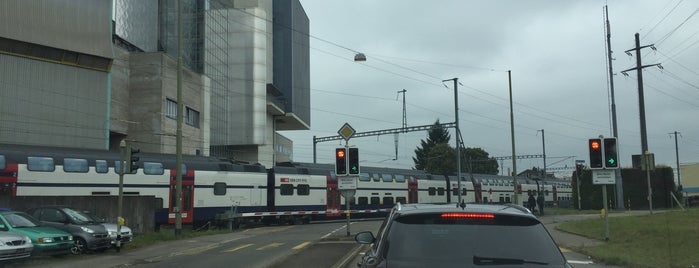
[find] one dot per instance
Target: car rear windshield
(469, 240)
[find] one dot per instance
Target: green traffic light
(611, 161)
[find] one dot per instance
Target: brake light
(468, 216)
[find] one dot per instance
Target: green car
(46, 240)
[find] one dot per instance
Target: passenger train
(211, 186)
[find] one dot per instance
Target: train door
(187, 194)
(555, 195)
(8, 178)
(333, 204)
(477, 192)
(412, 190)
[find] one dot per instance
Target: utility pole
(512, 131)
(677, 156)
(458, 134)
(178, 166)
(405, 123)
(543, 143)
(618, 183)
(642, 109)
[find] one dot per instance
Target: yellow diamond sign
(346, 131)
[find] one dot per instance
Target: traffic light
(132, 162)
(341, 161)
(610, 153)
(596, 157)
(353, 157)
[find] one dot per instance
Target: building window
(192, 117)
(171, 108)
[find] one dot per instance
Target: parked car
(14, 247)
(47, 240)
(126, 234)
(472, 235)
(88, 235)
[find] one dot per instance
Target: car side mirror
(364, 237)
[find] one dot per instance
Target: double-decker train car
(291, 192)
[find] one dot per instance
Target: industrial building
(88, 74)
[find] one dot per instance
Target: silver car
(14, 247)
(126, 234)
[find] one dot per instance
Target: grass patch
(567, 211)
(667, 239)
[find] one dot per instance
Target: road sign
(346, 131)
(346, 183)
(603, 176)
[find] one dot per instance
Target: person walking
(531, 202)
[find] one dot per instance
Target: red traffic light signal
(596, 157)
(340, 161)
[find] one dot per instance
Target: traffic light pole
(347, 203)
(123, 155)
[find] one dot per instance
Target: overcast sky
(554, 49)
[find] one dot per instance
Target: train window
(219, 188)
(440, 191)
(387, 200)
(400, 178)
(303, 189)
(412, 179)
(363, 201)
(40, 164)
(463, 191)
(153, 168)
(117, 167)
(432, 191)
(286, 189)
(2, 162)
(375, 200)
(75, 165)
(364, 177)
(101, 166)
(455, 191)
(546, 192)
(401, 199)
(386, 177)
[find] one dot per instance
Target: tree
(480, 161)
(441, 160)
(435, 135)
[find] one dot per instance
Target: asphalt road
(311, 245)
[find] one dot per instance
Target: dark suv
(88, 235)
(470, 235)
